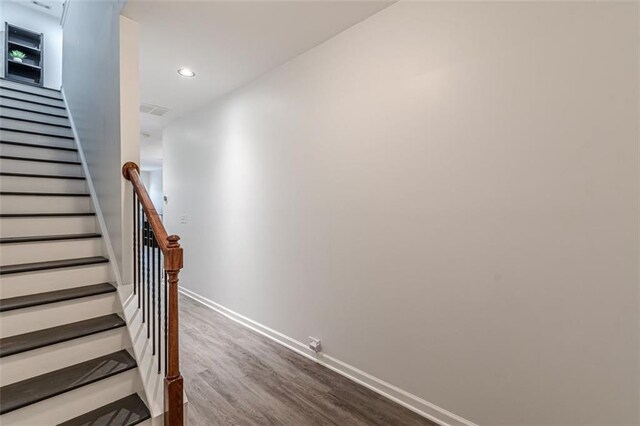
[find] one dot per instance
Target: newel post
(173, 380)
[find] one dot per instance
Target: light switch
(183, 219)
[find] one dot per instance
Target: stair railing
(157, 261)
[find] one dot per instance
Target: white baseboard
(94, 198)
(406, 399)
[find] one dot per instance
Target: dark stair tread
(35, 175)
(12, 91)
(40, 160)
(51, 264)
(36, 145)
(31, 132)
(50, 114)
(26, 92)
(46, 194)
(39, 388)
(18, 215)
(41, 238)
(29, 120)
(50, 336)
(127, 411)
(38, 299)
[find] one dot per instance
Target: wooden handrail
(173, 263)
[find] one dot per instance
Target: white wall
(446, 194)
(16, 14)
(129, 131)
(153, 182)
(101, 87)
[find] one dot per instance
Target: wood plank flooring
(234, 376)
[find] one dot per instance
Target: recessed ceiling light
(186, 72)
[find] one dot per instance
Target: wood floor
(234, 376)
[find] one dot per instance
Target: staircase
(64, 350)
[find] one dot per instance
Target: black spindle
(145, 272)
(148, 277)
(166, 325)
(159, 266)
(153, 289)
(134, 216)
(138, 249)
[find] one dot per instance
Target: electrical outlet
(315, 344)
(183, 219)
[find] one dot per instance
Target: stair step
(27, 392)
(127, 411)
(41, 238)
(8, 93)
(33, 175)
(19, 91)
(35, 108)
(20, 126)
(46, 169)
(36, 138)
(40, 160)
(32, 99)
(38, 299)
(33, 145)
(62, 333)
(51, 264)
(16, 215)
(31, 119)
(28, 250)
(34, 90)
(45, 194)
(21, 113)
(19, 184)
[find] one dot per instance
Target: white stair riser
(26, 227)
(15, 253)
(36, 167)
(7, 84)
(33, 116)
(33, 107)
(31, 98)
(17, 183)
(44, 204)
(32, 363)
(36, 152)
(8, 135)
(25, 126)
(76, 402)
(25, 320)
(14, 285)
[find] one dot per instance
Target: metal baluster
(148, 226)
(135, 217)
(153, 290)
(138, 236)
(144, 276)
(166, 325)
(159, 252)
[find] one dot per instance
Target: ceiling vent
(45, 6)
(153, 109)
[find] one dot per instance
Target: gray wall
(90, 79)
(446, 194)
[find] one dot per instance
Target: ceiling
(228, 43)
(50, 7)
